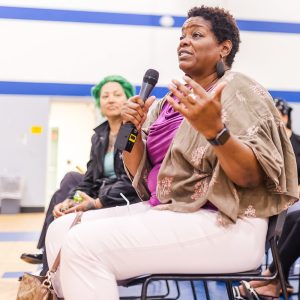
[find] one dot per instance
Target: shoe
(289, 288)
(237, 294)
(253, 295)
(32, 258)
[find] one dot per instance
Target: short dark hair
(223, 26)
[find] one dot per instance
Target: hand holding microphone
(135, 111)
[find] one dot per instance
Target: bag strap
(56, 263)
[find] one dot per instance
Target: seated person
(289, 242)
(203, 158)
(286, 116)
(70, 181)
(105, 177)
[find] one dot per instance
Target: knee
(74, 245)
(71, 178)
(82, 242)
(58, 228)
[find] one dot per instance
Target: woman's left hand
(87, 203)
(201, 109)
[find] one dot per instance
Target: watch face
(224, 137)
(221, 137)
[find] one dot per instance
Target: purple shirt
(159, 139)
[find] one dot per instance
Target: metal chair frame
(165, 296)
(274, 231)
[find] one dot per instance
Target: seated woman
(286, 116)
(212, 155)
(289, 242)
(105, 177)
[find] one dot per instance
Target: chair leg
(277, 262)
(229, 290)
(165, 295)
(206, 290)
(144, 289)
(193, 289)
(177, 289)
(168, 289)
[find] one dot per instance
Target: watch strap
(221, 137)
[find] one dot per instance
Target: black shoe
(32, 258)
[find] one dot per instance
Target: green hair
(126, 85)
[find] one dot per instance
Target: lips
(183, 52)
(111, 107)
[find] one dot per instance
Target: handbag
(34, 287)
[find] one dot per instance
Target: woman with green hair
(105, 179)
(127, 87)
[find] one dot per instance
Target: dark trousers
(70, 181)
(289, 243)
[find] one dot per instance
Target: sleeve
(139, 181)
(251, 116)
(87, 183)
(272, 148)
(110, 196)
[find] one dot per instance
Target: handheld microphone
(128, 133)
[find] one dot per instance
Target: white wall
(39, 51)
(76, 121)
(22, 153)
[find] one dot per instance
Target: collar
(104, 125)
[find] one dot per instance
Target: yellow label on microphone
(132, 138)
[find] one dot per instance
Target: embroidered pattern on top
(197, 154)
(200, 188)
(164, 186)
(250, 211)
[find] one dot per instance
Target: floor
(19, 233)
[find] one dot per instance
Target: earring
(220, 66)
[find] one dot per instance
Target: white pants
(123, 242)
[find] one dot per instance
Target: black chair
(274, 231)
(295, 276)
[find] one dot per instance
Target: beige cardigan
(190, 173)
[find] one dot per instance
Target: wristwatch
(221, 137)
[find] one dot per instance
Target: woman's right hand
(135, 110)
(59, 208)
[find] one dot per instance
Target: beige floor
(10, 251)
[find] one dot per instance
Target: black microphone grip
(128, 133)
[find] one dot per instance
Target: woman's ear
(226, 47)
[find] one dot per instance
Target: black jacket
(95, 184)
(295, 140)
